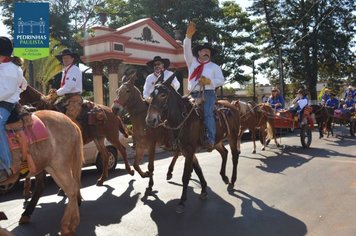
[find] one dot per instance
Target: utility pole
(254, 81)
(281, 84)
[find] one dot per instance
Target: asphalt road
(280, 191)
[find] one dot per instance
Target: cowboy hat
(275, 89)
(6, 47)
(199, 47)
(67, 52)
(165, 61)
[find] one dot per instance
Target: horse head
(165, 104)
(127, 93)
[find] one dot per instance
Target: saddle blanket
(35, 133)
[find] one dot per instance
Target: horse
(323, 117)
(60, 155)
(97, 133)
(254, 116)
(169, 109)
(146, 138)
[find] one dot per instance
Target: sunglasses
(157, 64)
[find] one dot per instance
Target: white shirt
(12, 82)
(211, 70)
(151, 81)
(73, 81)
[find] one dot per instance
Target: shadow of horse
(219, 217)
(103, 211)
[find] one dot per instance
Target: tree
(316, 38)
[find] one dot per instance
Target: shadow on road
(112, 209)
(215, 216)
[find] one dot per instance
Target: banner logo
(31, 30)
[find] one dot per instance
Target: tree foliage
(316, 38)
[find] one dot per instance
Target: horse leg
(27, 188)
(263, 136)
(71, 216)
(171, 166)
(253, 136)
(100, 145)
(223, 153)
(138, 159)
(199, 172)
(123, 152)
(235, 160)
(187, 172)
(30, 207)
(151, 158)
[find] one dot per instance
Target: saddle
(92, 114)
(23, 129)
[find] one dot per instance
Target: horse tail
(270, 129)
(78, 160)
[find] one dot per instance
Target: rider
(332, 102)
(349, 105)
(275, 101)
(325, 96)
(349, 91)
(299, 103)
(71, 84)
(203, 75)
(12, 83)
(159, 66)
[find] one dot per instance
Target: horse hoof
(148, 191)
(24, 220)
(230, 187)
(99, 183)
(263, 149)
(180, 209)
(203, 196)
(226, 180)
(254, 152)
(169, 176)
(131, 172)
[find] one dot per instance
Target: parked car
(91, 157)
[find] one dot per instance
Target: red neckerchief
(65, 75)
(198, 71)
(7, 59)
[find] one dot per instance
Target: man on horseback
(12, 83)
(159, 66)
(204, 77)
(71, 85)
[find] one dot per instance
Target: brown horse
(97, 133)
(61, 155)
(254, 116)
(168, 108)
(146, 138)
(323, 117)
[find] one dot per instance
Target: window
(118, 47)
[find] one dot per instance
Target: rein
(165, 125)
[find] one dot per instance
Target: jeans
(209, 119)
(5, 155)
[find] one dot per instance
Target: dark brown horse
(253, 116)
(170, 109)
(97, 133)
(146, 138)
(323, 117)
(61, 155)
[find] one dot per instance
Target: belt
(7, 105)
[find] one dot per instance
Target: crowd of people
(346, 104)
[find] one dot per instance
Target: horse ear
(170, 79)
